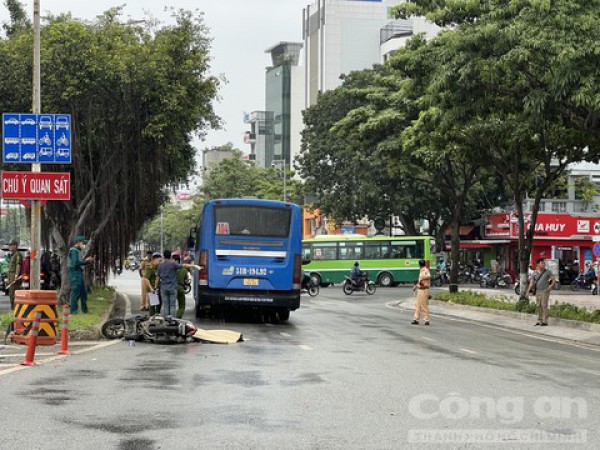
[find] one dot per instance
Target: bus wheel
(385, 279)
(283, 314)
(315, 279)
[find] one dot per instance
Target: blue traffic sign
(36, 138)
(596, 250)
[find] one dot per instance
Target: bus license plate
(250, 281)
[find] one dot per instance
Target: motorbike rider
(590, 273)
(356, 274)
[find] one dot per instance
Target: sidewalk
(580, 332)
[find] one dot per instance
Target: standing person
(166, 274)
(144, 303)
(75, 265)
(544, 282)
(422, 302)
(150, 281)
(14, 271)
(182, 275)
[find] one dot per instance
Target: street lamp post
(283, 167)
(36, 212)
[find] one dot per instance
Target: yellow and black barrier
(27, 304)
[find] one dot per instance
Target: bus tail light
(203, 272)
(297, 283)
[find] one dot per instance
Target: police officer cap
(13, 242)
(156, 255)
(81, 239)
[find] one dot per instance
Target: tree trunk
(524, 252)
(455, 250)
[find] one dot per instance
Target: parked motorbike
(581, 282)
(157, 329)
(518, 287)
(308, 286)
(364, 285)
(134, 266)
(442, 277)
(500, 281)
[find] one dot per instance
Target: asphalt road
(343, 373)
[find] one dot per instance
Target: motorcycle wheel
(517, 289)
(575, 286)
(313, 291)
(595, 290)
(187, 288)
(482, 283)
(347, 288)
(438, 281)
(370, 288)
(113, 329)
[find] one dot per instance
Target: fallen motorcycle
(157, 329)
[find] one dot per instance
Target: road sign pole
(36, 211)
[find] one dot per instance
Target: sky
(241, 30)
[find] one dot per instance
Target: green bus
(388, 260)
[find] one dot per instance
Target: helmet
(356, 263)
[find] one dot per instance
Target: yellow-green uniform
(150, 275)
(16, 260)
(181, 277)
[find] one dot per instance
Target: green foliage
(177, 225)
(475, 299)
(236, 178)
(136, 94)
(585, 189)
(561, 311)
(99, 302)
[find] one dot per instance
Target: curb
(407, 305)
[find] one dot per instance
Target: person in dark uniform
(75, 266)
(15, 267)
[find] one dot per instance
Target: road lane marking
(127, 304)
(305, 347)
(466, 350)
(429, 339)
(286, 334)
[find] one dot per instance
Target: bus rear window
(252, 221)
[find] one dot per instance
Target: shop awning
(487, 243)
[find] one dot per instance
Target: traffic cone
(35, 329)
(64, 337)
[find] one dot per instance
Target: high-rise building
(341, 36)
(285, 100)
(260, 137)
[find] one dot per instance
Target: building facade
(284, 82)
(260, 137)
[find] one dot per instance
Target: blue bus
(250, 257)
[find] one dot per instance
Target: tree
(509, 60)
(235, 178)
(18, 18)
(136, 95)
(351, 171)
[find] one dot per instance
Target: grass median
(560, 311)
(99, 302)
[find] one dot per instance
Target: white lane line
(286, 334)
(466, 350)
(305, 347)
(127, 304)
(429, 339)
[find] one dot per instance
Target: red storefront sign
(36, 185)
(559, 226)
